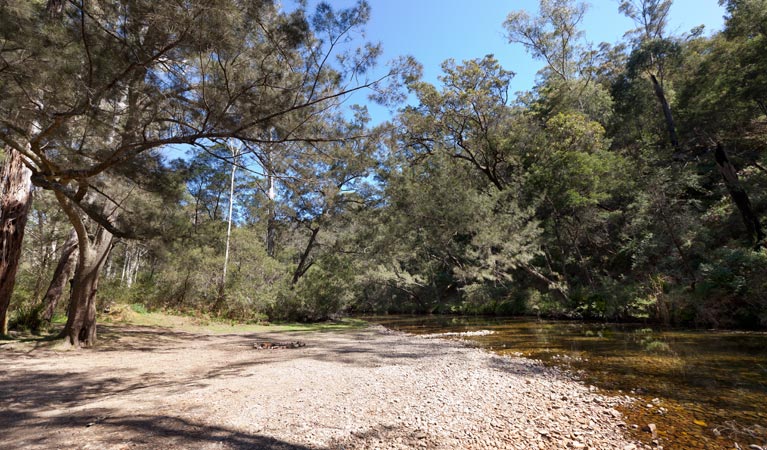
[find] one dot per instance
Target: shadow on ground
(67, 399)
(142, 432)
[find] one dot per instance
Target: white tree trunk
(235, 154)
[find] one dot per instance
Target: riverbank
(149, 387)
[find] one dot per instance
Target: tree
(93, 251)
(470, 121)
(131, 77)
(61, 276)
(16, 191)
(567, 80)
(467, 119)
(722, 104)
(236, 153)
(653, 51)
(322, 185)
(552, 36)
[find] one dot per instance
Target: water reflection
(709, 387)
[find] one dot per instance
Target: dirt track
(370, 388)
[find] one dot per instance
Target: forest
(207, 157)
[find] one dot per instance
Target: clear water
(702, 389)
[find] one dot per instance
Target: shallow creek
(702, 389)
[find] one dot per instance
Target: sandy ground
(154, 388)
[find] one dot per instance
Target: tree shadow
(106, 428)
(144, 338)
(40, 403)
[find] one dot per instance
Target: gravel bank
(363, 389)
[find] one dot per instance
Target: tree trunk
(16, 199)
(659, 92)
(271, 221)
(546, 283)
(235, 154)
(303, 266)
(93, 254)
(61, 275)
(81, 321)
(739, 197)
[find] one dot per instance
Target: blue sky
(435, 30)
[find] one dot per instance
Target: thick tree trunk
(739, 197)
(81, 321)
(61, 276)
(16, 189)
(670, 126)
(93, 254)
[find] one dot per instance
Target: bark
(81, 321)
(16, 190)
(669, 118)
(739, 197)
(271, 222)
(235, 155)
(229, 221)
(80, 328)
(62, 274)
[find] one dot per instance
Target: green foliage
(26, 317)
(649, 342)
(567, 201)
(138, 308)
(324, 291)
(733, 289)
(657, 347)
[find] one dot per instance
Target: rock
(652, 429)
(268, 345)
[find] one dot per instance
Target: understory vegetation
(216, 169)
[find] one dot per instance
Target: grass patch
(138, 308)
(127, 315)
(657, 347)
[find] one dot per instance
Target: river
(702, 389)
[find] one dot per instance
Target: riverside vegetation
(627, 184)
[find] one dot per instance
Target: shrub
(733, 289)
(26, 317)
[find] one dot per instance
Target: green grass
(129, 316)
